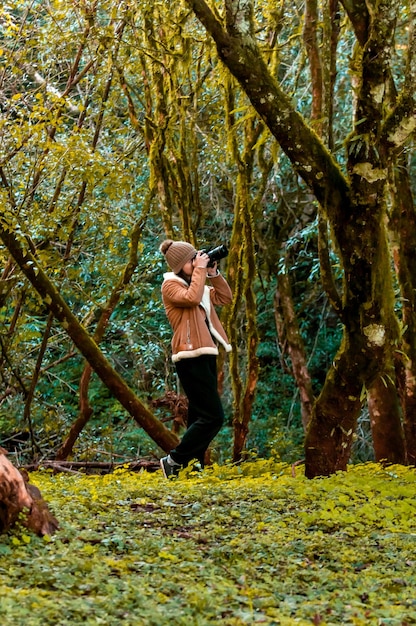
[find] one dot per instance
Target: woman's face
(201, 259)
(188, 268)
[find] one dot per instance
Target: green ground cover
(231, 546)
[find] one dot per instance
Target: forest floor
(234, 545)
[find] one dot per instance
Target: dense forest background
(125, 123)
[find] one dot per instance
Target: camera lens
(216, 254)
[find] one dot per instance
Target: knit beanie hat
(177, 253)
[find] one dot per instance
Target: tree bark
(17, 497)
(310, 40)
(329, 438)
(385, 416)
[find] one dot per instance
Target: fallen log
(92, 466)
(20, 500)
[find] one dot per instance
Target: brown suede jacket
(191, 313)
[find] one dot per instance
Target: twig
(294, 465)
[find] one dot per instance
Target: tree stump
(18, 496)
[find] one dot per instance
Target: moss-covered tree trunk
(354, 206)
(169, 125)
(246, 393)
(370, 328)
(242, 271)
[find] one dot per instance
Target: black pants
(198, 377)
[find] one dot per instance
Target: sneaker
(169, 471)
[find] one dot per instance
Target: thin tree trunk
(85, 413)
(35, 377)
(86, 410)
(403, 228)
(4, 357)
(295, 346)
(246, 393)
(241, 275)
(310, 40)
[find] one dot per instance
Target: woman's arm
(220, 292)
(176, 293)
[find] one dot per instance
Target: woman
(189, 305)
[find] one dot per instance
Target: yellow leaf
(166, 555)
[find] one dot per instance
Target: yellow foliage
(232, 545)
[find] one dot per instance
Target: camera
(216, 254)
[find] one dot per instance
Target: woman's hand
(213, 270)
(201, 259)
